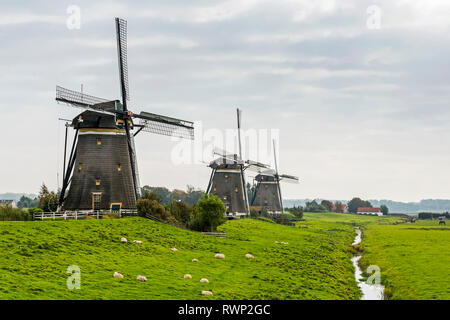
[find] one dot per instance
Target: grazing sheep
(187, 276)
(220, 256)
(118, 275)
(249, 256)
(141, 278)
(207, 293)
(276, 242)
(174, 249)
(137, 241)
(284, 242)
(194, 260)
(203, 280)
(123, 240)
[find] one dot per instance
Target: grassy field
(414, 258)
(34, 257)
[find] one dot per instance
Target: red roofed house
(369, 211)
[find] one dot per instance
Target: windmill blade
(289, 178)
(82, 101)
(255, 166)
(77, 98)
(155, 123)
(225, 154)
(122, 52)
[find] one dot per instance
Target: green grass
(414, 258)
(34, 257)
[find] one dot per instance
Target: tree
(48, 201)
(26, 202)
(356, 203)
(384, 209)
(208, 214)
(339, 207)
(147, 194)
(313, 206)
(327, 204)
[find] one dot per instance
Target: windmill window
(225, 198)
(99, 141)
(226, 176)
(214, 189)
(236, 189)
(97, 182)
(119, 167)
(80, 166)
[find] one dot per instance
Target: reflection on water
(369, 291)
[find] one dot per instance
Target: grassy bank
(34, 257)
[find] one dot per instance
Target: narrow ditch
(369, 291)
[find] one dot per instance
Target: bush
(254, 213)
(181, 211)
(155, 209)
(208, 214)
(14, 214)
(35, 210)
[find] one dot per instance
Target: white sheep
(204, 280)
(123, 240)
(194, 260)
(174, 249)
(137, 241)
(118, 275)
(220, 256)
(249, 256)
(276, 242)
(141, 278)
(207, 293)
(187, 276)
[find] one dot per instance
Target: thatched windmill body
(227, 179)
(102, 170)
(268, 190)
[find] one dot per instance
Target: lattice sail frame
(167, 128)
(71, 96)
(121, 29)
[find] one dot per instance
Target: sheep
(204, 280)
(137, 241)
(194, 260)
(118, 275)
(207, 293)
(187, 276)
(141, 278)
(174, 249)
(284, 242)
(220, 256)
(276, 242)
(123, 240)
(249, 256)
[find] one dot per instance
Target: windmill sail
(163, 125)
(122, 52)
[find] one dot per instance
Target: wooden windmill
(102, 170)
(268, 190)
(228, 178)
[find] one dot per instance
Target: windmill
(268, 190)
(102, 170)
(227, 179)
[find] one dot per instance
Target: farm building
(11, 203)
(369, 211)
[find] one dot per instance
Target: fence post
(53, 216)
(42, 216)
(97, 215)
(76, 215)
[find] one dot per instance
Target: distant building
(369, 211)
(11, 203)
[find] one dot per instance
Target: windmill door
(96, 200)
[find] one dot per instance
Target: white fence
(76, 215)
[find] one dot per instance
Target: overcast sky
(362, 103)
